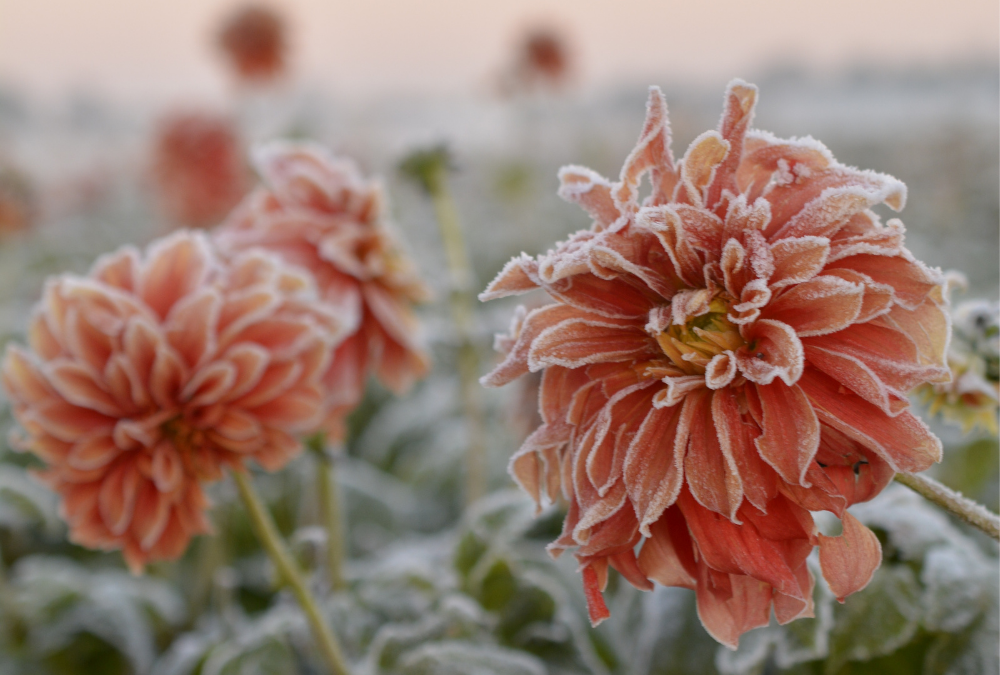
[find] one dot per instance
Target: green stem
(288, 571)
(329, 504)
(462, 304)
(953, 502)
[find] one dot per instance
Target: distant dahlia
(148, 376)
(316, 211)
(198, 168)
(254, 40)
(721, 359)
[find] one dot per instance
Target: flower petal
(850, 560)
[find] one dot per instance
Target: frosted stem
(954, 502)
(289, 573)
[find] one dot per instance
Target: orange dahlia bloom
(254, 40)
(316, 211)
(198, 168)
(149, 375)
(722, 358)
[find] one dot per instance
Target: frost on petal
(698, 167)
(817, 307)
(731, 604)
(578, 342)
(515, 362)
(591, 191)
(651, 153)
(850, 560)
(654, 465)
(709, 467)
(737, 115)
(791, 431)
(903, 441)
(773, 351)
(798, 259)
(519, 275)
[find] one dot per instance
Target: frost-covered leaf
(60, 600)
(25, 502)
(461, 658)
(878, 621)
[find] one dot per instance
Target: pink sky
(161, 49)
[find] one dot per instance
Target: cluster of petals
(721, 359)
(148, 376)
(317, 212)
(198, 168)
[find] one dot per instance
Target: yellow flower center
(691, 346)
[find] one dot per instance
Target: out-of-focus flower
(198, 168)
(317, 211)
(542, 62)
(18, 207)
(254, 40)
(147, 377)
(724, 357)
(972, 398)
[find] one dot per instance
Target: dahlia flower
(148, 376)
(198, 168)
(317, 212)
(254, 40)
(722, 358)
(972, 398)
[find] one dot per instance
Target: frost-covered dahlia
(148, 376)
(317, 211)
(722, 358)
(198, 168)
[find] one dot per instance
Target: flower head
(254, 40)
(148, 376)
(722, 358)
(316, 211)
(972, 398)
(198, 168)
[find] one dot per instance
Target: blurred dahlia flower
(146, 377)
(722, 358)
(253, 39)
(972, 398)
(316, 211)
(198, 168)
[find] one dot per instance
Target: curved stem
(329, 504)
(270, 539)
(462, 309)
(954, 502)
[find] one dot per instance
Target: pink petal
(191, 325)
(736, 118)
(774, 351)
(666, 556)
(736, 437)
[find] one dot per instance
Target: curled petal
(850, 560)
(820, 306)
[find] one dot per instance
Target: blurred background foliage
(435, 588)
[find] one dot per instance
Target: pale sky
(156, 50)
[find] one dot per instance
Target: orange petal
(653, 468)
(590, 190)
(664, 560)
(710, 471)
(850, 560)
(798, 260)
(791, 431)
(592, 587)
(904, 441)
(819, 306)
(579, 342)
